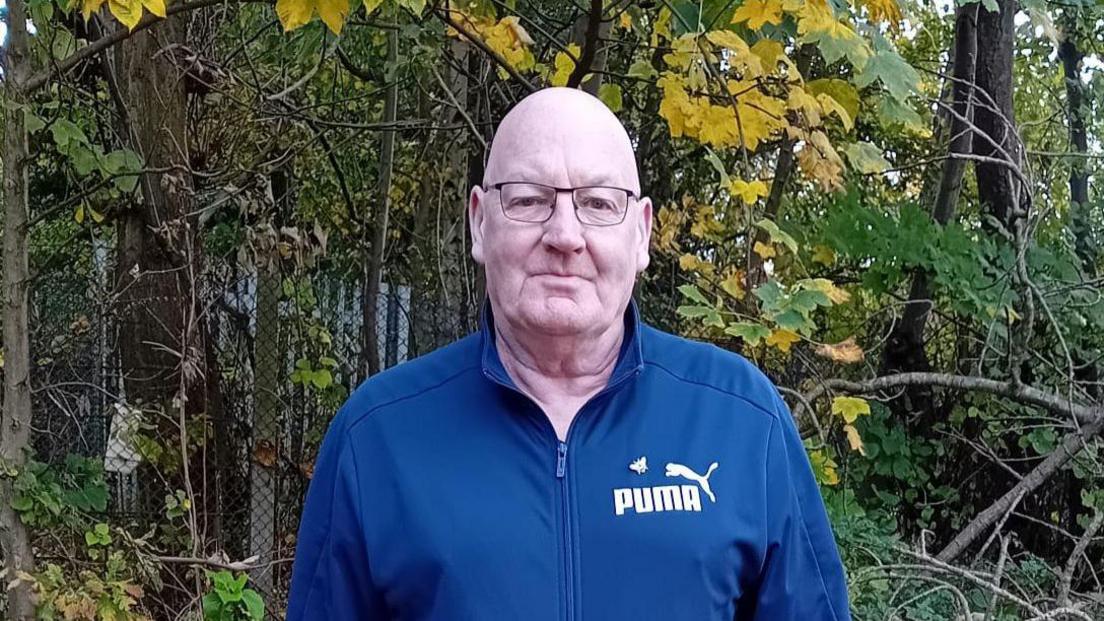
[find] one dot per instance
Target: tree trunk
(373, 267)
(164, 345)
(999, 190)
(15, 420)
(1079, 176)
(267, 442)
(905, 350)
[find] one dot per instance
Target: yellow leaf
(830, 106)
(565, 65)
(157, 7)
(513, 23)
(824, 255)
(884, 11)
(88, 7)
(828, 288)
(847, 351)
(850, 408)
(783, 339)
(759, 12)
(748, 192)
(1, 359)
(293, 13)
(333, 13)
(128, 12)
(805, 103)
(820, 162)
(769, 52)
(854, 439)
(733, 284)
(79, 214)
(662, 27)
(626, 21)
(823, 467)
(97, 217)
(765, 251)
(741, 57)
(371, 5)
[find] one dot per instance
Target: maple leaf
(626, 21)
(333, 13)
(884, 11)
(827, 287)
(854, 439)
(294, 13)
(748, 192)
(733, 284)
(824, 255)
(759, 12)
(850, 408)
(157, 7)
(840, 90)
(766, 251)
(783, 339)
(896, 75)
(829, 105)
(866, 158)
(847, 352)
(372, 5)
(819, 161)
(89, 7)
(769, 52)
(823, 467)
(565, 65)
(128, 12)
(805, 103)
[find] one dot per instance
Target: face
(560, 277)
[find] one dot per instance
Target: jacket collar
(629, 361)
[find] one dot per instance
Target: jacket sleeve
(331, 578)
(802, 577)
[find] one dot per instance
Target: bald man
(567, 461)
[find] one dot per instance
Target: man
(566, 461)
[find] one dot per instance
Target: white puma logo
(679, 470)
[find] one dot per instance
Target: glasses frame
(629, 194)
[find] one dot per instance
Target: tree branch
(38, 80)
(590, 45)
(1081, 413)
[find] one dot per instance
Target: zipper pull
(561, 460)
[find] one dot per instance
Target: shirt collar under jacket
(630, 360)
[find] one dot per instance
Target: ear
(475, 221)
(643, 233)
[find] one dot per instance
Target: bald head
(565, 137)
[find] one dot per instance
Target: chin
(558, 316)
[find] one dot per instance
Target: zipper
(567, 531)
(565, 518)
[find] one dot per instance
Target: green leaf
(414, 6)
(896, 75)
(752, 333)
(22, 503)
(718, 165)
(771, 294)
(837, 89)
(866, 158)
(777, 235)
(692, 292)
(642, 69)
(31, 122)
(610, 94)
(322, 379)
(253, 604)
(693, 312)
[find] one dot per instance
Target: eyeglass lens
(530, 202)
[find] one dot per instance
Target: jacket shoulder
(410, 379)
(704, 364)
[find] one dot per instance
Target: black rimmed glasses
(595, 205)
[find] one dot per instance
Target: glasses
(595, 205)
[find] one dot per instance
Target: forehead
(556, 149)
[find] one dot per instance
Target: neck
(550, 367)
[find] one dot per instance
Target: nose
(563, 231)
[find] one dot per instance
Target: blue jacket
(682, 491)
